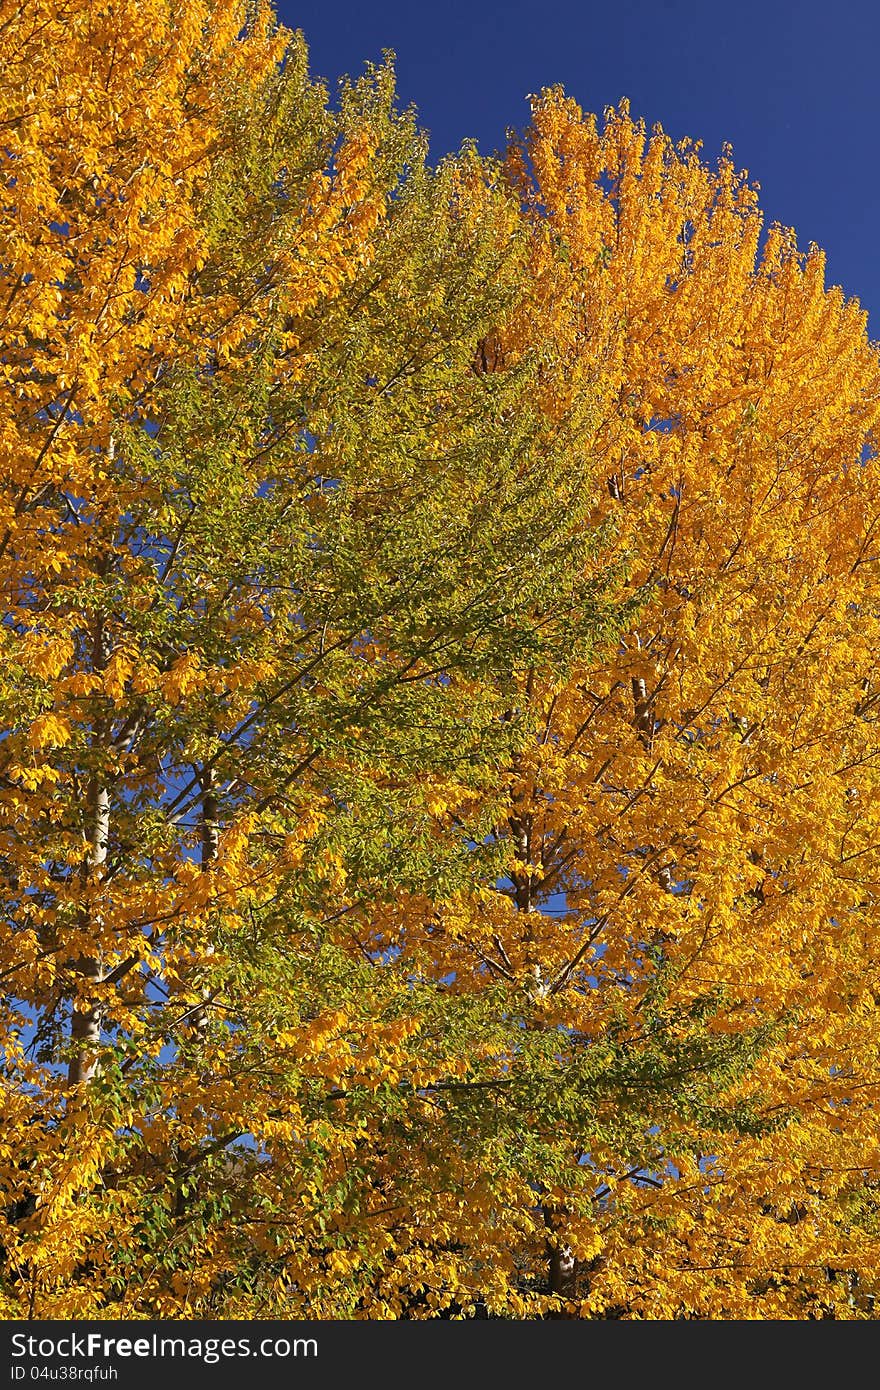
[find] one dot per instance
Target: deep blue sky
(794, 86)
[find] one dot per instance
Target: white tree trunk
(210, 838)
(86, 1024)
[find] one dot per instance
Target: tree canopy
(438, 805)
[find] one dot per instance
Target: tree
(701, 798)
(275, 556)
(437, 818)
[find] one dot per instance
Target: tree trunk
(210, 836)
(561, 1266)
(85, 1030)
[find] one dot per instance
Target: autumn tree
(696, 818)
(277, 544)
(437, 817)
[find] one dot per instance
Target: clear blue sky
(795, 87)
